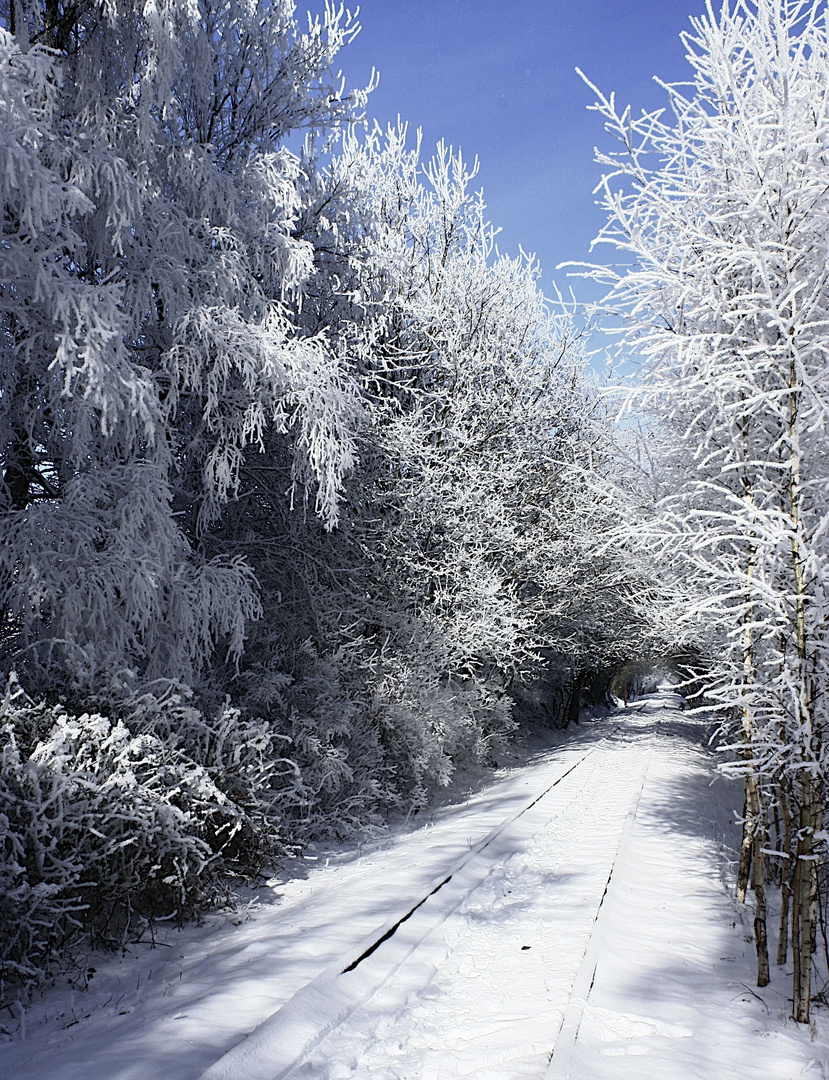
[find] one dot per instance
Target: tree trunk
(798, 1011)
(775, 868)
(786, 875)
(804, 898)
(750, 799)
(746, 847)
(17, 477)
(574, 700)
(758, 886)
(802, 914)
(804, 908)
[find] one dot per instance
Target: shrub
(108, 823)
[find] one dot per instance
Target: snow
(595, 921)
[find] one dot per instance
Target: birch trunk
(758, 885)
(802, 921)
(786, 875)
(754, 825)
(803, 914)
(746, 848)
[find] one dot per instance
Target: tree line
(721, 200)
(295, 466)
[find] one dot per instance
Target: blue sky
(497, 79)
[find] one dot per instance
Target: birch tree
(722, 203)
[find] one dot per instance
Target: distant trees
(725, 207)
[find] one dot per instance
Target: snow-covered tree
(148, 277)
(297, 471)
(147, 262)
(463, 542)
(723, 206)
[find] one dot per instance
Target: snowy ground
(578, 907)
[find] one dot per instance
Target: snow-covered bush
(370, 734)
(108, 823)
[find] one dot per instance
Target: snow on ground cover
(487, 980)
(673, 972)
(173, 1008)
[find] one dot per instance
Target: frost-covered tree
(723, 205)
(295, 404)
(149, 270)
(462, 545)
(148, 258)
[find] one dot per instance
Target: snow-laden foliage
(148, 343)
(114, 580)
(724, 206)
(298, 472)
(108, 823)
(148, 254)
(462, 543)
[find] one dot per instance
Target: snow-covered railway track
(290, 1043)
(560, 1066)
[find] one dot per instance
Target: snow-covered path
(574, 908)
